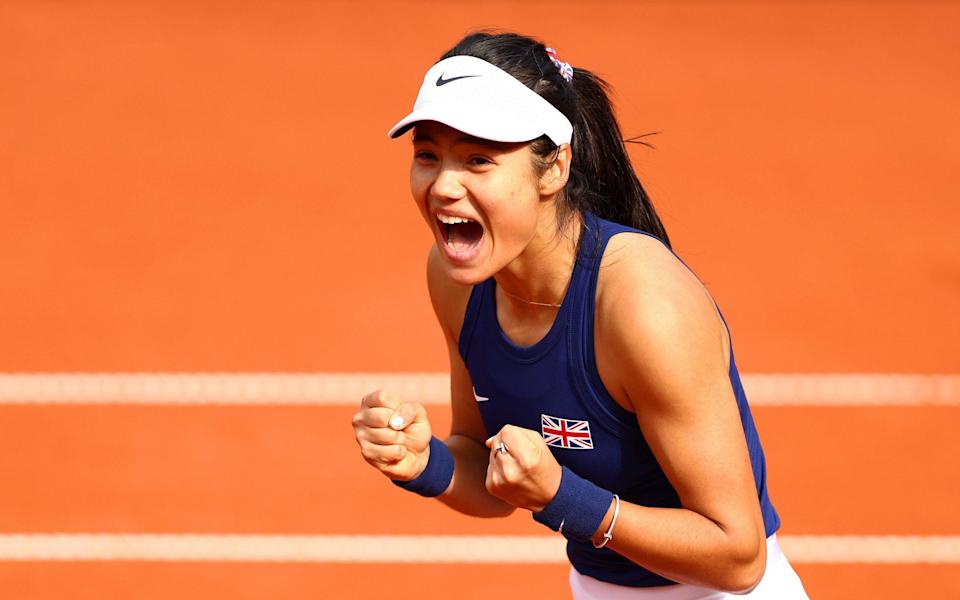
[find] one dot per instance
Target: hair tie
(566, 71)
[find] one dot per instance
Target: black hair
(602, 179)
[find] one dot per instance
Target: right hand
(394, 436)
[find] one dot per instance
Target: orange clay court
(207, 188)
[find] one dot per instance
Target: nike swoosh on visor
(442, 81)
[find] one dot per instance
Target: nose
(448, 185)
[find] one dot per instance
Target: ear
(555, 177)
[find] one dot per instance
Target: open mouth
(460, 234)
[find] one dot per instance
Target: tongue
(464, 236)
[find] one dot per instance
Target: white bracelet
(609, 533)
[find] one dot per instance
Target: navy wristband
(578, 508)
(436, 477)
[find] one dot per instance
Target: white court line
(335, 389)
(425, 549)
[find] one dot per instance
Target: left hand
(526, 475)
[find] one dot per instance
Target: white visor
(479, 99)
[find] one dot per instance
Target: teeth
(448, 220)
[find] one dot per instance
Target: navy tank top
(554, 387)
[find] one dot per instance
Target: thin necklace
(531, 301)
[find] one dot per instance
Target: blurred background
(205, 192)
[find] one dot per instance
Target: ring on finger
(502, 448)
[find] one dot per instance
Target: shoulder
(654, 317)
(449, 298)
(643, 281)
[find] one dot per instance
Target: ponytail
(602, 179)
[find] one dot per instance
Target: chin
(467, 274)
(467, 277)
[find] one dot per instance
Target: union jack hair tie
(566, 71)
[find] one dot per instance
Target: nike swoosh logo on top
(479, 398)
(442, 81)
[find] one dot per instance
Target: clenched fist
(525, 473)
(393, 436)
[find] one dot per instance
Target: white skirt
(779, 582)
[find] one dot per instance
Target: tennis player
(593, 376)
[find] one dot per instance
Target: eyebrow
(421, 137)
(469, 139)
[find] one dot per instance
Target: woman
(593, 380)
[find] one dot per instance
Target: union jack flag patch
(566, 433)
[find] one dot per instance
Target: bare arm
(467, 492)
(395, 435)
(662, 349)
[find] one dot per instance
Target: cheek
(419, 184)
(417, 181)
(515, 221)
(524, 205)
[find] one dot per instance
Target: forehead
(438, 133)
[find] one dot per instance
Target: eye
(479, 161)
(424, 156)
